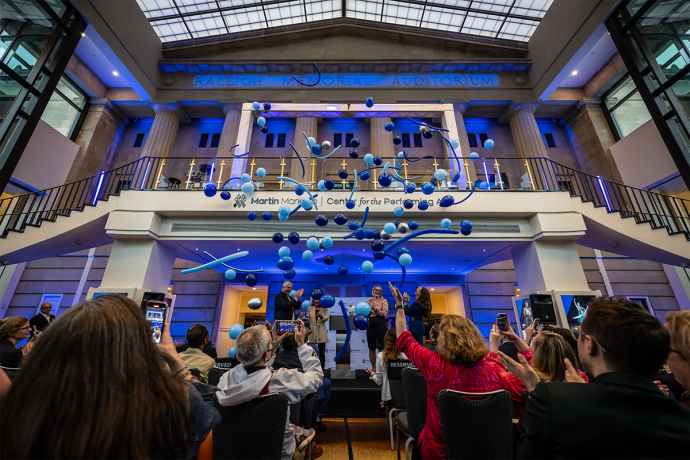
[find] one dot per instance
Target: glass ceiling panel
(184, 19)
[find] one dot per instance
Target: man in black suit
(621, 413)
(44, 318)
(285, 306)
(504, 178)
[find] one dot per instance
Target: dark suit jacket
(41, 322)
(504, 179)
(10, 356)
(509, 349)
(616, 415)
(285, 306)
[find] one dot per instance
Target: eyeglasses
(576, 332)
(27, 328)
(676, 351)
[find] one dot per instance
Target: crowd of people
(96, 385)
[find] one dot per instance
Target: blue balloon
(389, 228)
(413, 225)
(225, 195)
(321, 185)
(409, 204)
(246, 178)
(267, 106)
(235, 331)
(327, 301)
(230, 274)
(428, 134)
(377, 245)
(428, 188)
(284, 251)
(365, 175)
(307, 255)
(251, 215)
(369, 233)
(247, 188)
(264, 129)
(354, 143)
(277, 238)
(283, 209)
(261, 172)
(329, 260)
(397, 140)
(289, 274)
(299, 191)
(354, 154)
(293, 237)
(362, 308)
(379, 255)
(488, 143)
(311, 141)
(329, 184)
(316, 294)
(266, 215)
(405, 260)
(385, 180)
(399, 211)
(389, 126)
(378, 161)
(369, 159)
(361, 322)
(369, 102)
(313, 243)
(327, 242)
(285, 263)
(455, 143)
(292, 294)
(360, 234)
(423, 205)
(306, 203)
(316, 149)
(306, 304)
(251, 280)
(256, 105)
(321, 220)
(231, 352)
(465, 227)
(454, 176)
(350, 204)
(440, 174)
(446, 201)
(402, 250)
(210, 189)
(342, 270)
(261, 121)
(367, 266)
(340, 219)
(410, 188)
(446, 223)
(353, 225)
(342, 174)
(474, 156)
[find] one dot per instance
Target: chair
(214, 375)
(414, 386)
(295, 420)
(479, 426)
(251, 430)
(397, 401)
(174, 183)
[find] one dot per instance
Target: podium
(342, 367)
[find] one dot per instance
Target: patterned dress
(440, 374)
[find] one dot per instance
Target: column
(244, 138)
(548, 265)
(308, 126)
(526, 135)
(161, 138)
(231, 127)
(454, 122)
(140, 262)
(99, 140)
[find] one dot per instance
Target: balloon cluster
(261, 121)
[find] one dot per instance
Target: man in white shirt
(194, 357)
(43, 319)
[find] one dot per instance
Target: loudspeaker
(542, 308)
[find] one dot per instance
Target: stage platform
(354, 398)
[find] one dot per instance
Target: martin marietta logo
(240, 200)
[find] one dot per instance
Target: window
(337, 139)
(406, 140)
(628, 110)
(473, 139)
(65, 107)
(549, 140)
(204, 140)
(483, 138)
(417, 140)
(348, 139)
(281, 140)
(139, 140)
(215, 140)
(269, 140)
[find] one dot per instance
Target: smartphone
(536, 324)
(502, 322)
(287, 326)
(157, 317)
(306, 322)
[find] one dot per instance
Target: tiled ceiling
(186, 19)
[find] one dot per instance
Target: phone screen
(536, 324)
(287, 326)
(156, 317)
(502, 322)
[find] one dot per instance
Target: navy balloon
(316, 294)
(409, 204)
(353, 225)
(369, 102)
(328, 260)
(354, 154)
(264, 129)
(266, 215)
(428, 135)
(361, 322)
(389, 126)
(340, 219)
(359, 234)
(299, 191)
(251, 215)
(293, 237)
(401, 250)
(369, 233)
(329, 183)
(377, 234)
(251, 280)
(285, 263)
(277, 238)
(365, 175)
(385, 180)
(316, 149)
(354, 142)
(378, 161)
(397, 223)
(428, 188)
(413, 225)
(321, 220)
(327, 300)
(379, 255)
(350, 204)
(410, 188)
(397, 140)
(465, 227)
(446, 201)
(210, 189)
(342, 270)
(267, 106)
(342, 174)
(377, 245)
(289, 274)
(225, 195)
(423, 205)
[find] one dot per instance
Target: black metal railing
(495, 174)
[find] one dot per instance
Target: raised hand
(494, 338)
(406, 297)
(276, 336)
(509, 334)
(571, 374)
(301, 334)
(396, 294)
(521, 370)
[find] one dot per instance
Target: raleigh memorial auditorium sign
(329, 80)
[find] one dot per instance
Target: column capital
(103, 104)
(460, 106)
(173, 107)
(227, 107)
(589, 101)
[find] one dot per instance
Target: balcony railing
(495, 175)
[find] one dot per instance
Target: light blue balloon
(362, 308)
(261, 172)
(283, 217)
(446, 223)
(389, 228)
(369, 159)
(474, 156)
(307, 255)
(246, 178)
(312, 141)
(284, 251)
(284, 209)
(312, 243)
(230, 274)
(247, 188)
(405, 260)
(401, 154)
(440, 174)
(367, 267)
(488, 143)
(235, 331)
(256, 105)
(261, 121)
(398, 211)
(292, 294)
(327, 242)
(306, 203)
(231, 352)
(455, 143)
(322, 186)
(306, 304)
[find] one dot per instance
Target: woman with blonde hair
(12, 331)
(462, 362)
(678, 324)
(390, 353)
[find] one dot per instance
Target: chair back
(394, 370)
(478, 427)
(251, 430)
(414, 386)
(214, 375)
